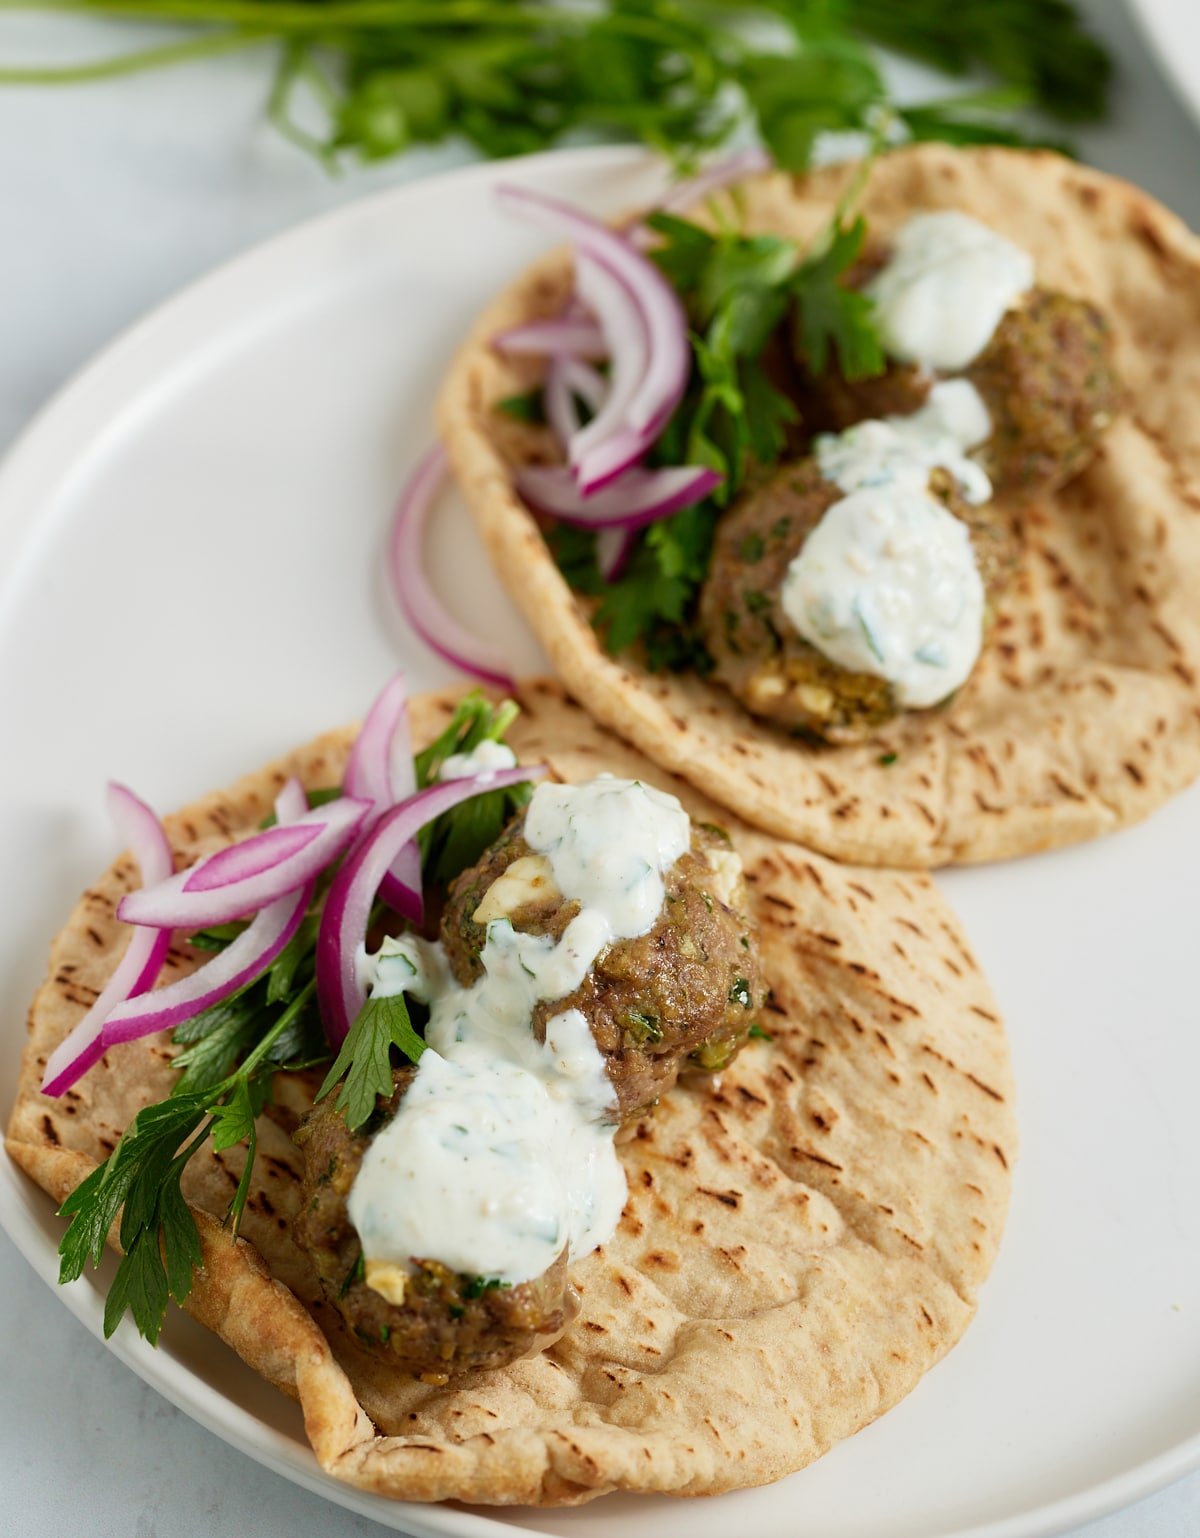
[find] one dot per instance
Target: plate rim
(93, 400)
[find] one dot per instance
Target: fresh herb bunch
(231, 1053)
(510, 76)
(739, 291)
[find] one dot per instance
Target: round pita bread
(804, 1238)
(1084, 712)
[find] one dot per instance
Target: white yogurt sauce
(945, 288)
(486, 758)
(903, 450)
(887, 584)
(502, 1150)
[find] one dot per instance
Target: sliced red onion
(564, 381)
(185, 901)
(250, 858)
(663, 347)
(715, 178)
(613, 549)
(291, 803)
(559, 403)
(347, 908)
(567, 378)
(243, 959)
(380, 768)
(369, 766)
(638, 498)
(566, 336)
(139, 967)
(587, 382)
(420, 606)
(610, 298)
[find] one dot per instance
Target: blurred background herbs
(368, 79)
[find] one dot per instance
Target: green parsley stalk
(682, 76)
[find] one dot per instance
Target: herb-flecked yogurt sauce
(486, 758)
(887, 583)
(501, 1152)
(946, 286)
(903, 450)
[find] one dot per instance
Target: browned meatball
(1046, 377)
(447, 1324)
(682, 995)
(758, 654)
(1048, 382)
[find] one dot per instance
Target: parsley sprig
(231, 1053)
(141, 1178)
(510, 76)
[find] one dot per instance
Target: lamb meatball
(1046, 378)
(445, 1324)
(758, 654)
(1048, 383)
(683, 995)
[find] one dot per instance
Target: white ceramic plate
(1172, 28)
(190, 543)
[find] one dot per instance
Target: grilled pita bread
(804, 1237)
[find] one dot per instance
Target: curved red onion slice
(242, 960)
(566, 336)
(423, 610)
(609, 297)
(251, 857)
(139, 967)
(715, 178)
(645, 409)
(291, 803)
(348, 905)
(567, 378)
(177, 903)
(559, 403)
(369, 766)
(639, 497)
(380, 768)
(613, 549)
(585, 381)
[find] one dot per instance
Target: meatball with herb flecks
(683, 995)
(427, 1320)
(758, 653)
(1045, 375)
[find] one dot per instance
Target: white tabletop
(115, 196)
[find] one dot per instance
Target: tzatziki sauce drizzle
(903, 450)
(501, 1152)
(887, 584)
(946, 286)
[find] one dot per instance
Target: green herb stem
(132, 63)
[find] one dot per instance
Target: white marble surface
(114, 196)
